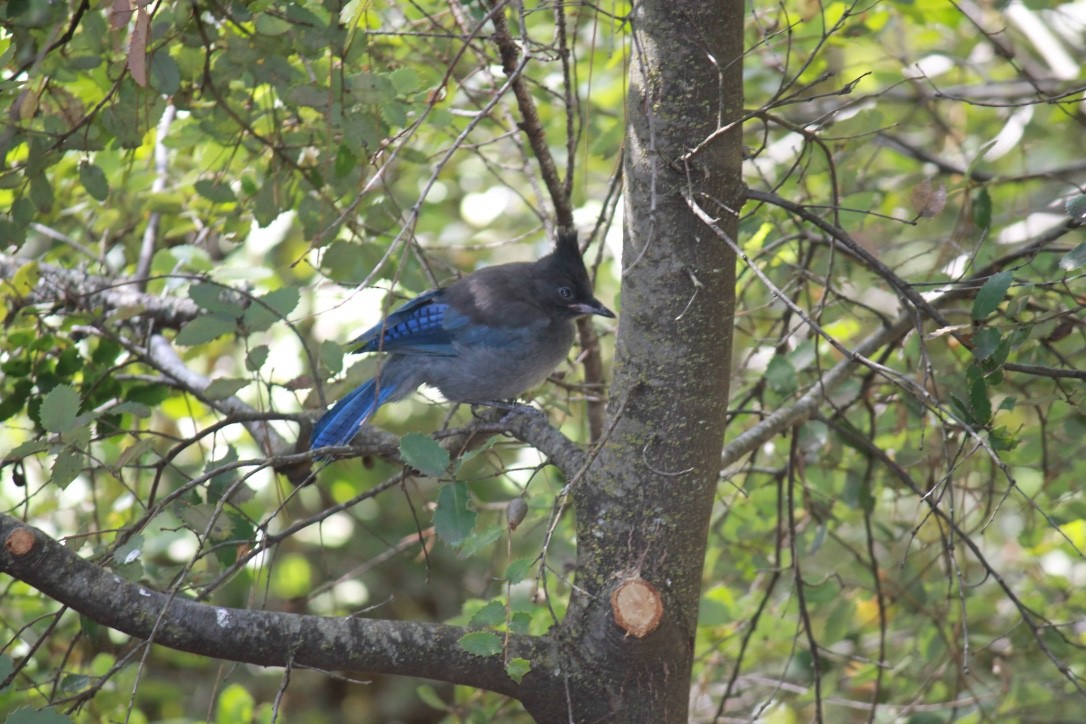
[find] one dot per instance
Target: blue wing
(425, 325)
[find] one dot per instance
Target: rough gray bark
(644, 508)
(643, 500)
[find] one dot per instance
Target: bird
(484, 339)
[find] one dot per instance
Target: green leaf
(481, 643)
(780, 375)
(256, 357)
(130, 552)
(270, 308)
(519, 569)
(225, 387)
(268, 24)
(489, 616)
(985, 342)
(24, 280)
(346, 161)
(204, 329)
(41, 193)
(822, 592)
(518, 668)
(69, 362)
(480, 539)
(979, 403)
(59, 408)
(991, 294)
(282, 301)
(216, 299)
(454, 518)
(165, 73)
(12, 402)
(331, 356)
(982, 209)
(26, 715)
(520, 623)
(6, 667)
(1076, 207)
(134, 452)
(1074, 258)
(94, 180)
(430, 697)
(424, 454)
(215, 192)
(202, 517)
(404, 80)
(67, 465)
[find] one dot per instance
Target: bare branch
(264, 638)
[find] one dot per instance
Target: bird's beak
(592, 307)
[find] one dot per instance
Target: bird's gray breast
(502, 370)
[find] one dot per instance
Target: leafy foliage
(198, 199)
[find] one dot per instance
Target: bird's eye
(565, 292)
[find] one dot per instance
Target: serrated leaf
(985, 342)
(165, 73)
(222, 388)
(982, 209)
(94, 180)
(214, 191)
(1074, 258)
(215, 299)
(979, 403)
(481, 643)
(480, 539)
(518, 570)
(268, 24)
(404, 80)
(67, 465)
(6, 667)
(1002, 439)
(59, 408)
(489, 616)
(135, 452)
(307, 95)
(26, 449)
(283, 301)
(197, 518)
(520, 623)
(517, 668)
(204, 329)
(780, 375)
(270, 308)
(1076, 207)
(346, 161)
(27, 715)
(256, 357)
(454, 518)
(331, 356)
(130, 551)
(430, 698)
(424, 454)
(961, 409)
(41, 193)
(130, 408)
(24, 280)
(991, 294)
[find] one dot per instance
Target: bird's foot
(510, 407)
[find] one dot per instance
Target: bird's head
(562, 285)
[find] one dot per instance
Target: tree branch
(263, 638)
(84, 292)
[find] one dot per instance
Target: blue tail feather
(339, 425)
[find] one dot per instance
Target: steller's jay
(485, 338)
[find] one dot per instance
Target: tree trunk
(643, 509)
